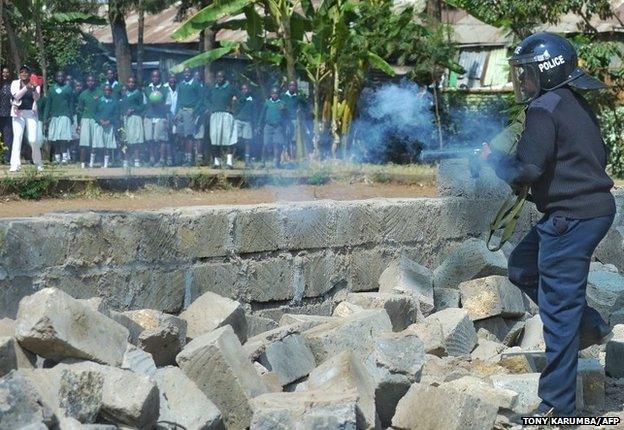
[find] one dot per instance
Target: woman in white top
(24, 115)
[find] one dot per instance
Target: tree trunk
(289, 53)
(434, 9)
(140, 52)
(13, 49)
(120, 40)
(334, 113)
(43, 62)
(208, 38)
(1, 31)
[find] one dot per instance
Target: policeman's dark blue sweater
(562, 156)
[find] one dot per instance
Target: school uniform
(156, 113)
(294, 103)
(222, 130)
(24, 118)
(172, 103)
(59, 111)
(133, 123)
(40, 139)
(87, 101)
(104, 136)
(273, 114)
(115, 88)
(189, 99)
(244, 117)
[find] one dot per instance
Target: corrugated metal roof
(497, 70)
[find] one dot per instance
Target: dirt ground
(157, 198)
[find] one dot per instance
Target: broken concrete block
(405, 276)
(211, 311)
(459, 332)
(80, 394)
(355, 333)
(402, 309)
(344, 309)
(20, 403)
(533, 335)
(492, 296)
(138, 361)
(257, 324)
(127, 398)
(431, 335)
(605, 292)
(499, 397)
(453, 410)
(217, 364)
(160, 334)
(592, 376)
(445, 298)
(525, 385)
(305, 410)
(13, 357)
(614, 360)
(343, 373)
(54, 325)
(182, 403)
(270, 379)
(470, 260)
(487, 350)
(290, 358)
(401, 353)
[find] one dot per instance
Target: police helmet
(544, 62)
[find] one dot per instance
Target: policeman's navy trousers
(551, 265)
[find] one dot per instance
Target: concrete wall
(274, 258)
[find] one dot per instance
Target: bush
(30, 186)
(612, 122)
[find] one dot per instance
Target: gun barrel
(430, 155)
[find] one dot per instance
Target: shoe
(15, 169)
(125, 164)
(137, 163)
(541, 412)
(39, 168)
(83, 165)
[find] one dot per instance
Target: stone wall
(273, 258)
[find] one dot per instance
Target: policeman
(561, 156)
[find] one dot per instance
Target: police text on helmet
(553, 62)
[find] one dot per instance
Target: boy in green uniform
(222, 130)
(87, 100)
(77, 89)
(272, 119)
(106, 115)
(59, 110)
(155, 121)
(295, 104)
(245, 120)
(189, 104)
(113, 83)
(132, 108)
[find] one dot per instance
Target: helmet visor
(526, 82)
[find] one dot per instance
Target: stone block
(289, 357)
(257, 229)
(13, 357)
(270, 279)
(182, 403)
(453, 410)
(224, 278)
(309, 410)
(499, 397)
(344, 373)
(257, 325)
(445, 298)
(491, 296)
(605, 292)
(431, 335)
(217, 364)
(7, 327)
(459, 332)
(611, 248)
(211, 311)
(80, 394)
(355, 333)
(306, 321)
(402, 309)
(356, 223)
(525, 385)
(614, 360)
(495, 326)
(487, 350)
(21, 404)
(344, 309)
(470, 260)
(616, 318)
(54, 325)
(592, 376)
(202, 232)
(405, 276)
(321, 272)
(533, 336)
(365, 268)
(307, 226)
(138, 361)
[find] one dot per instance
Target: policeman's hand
(484, 152)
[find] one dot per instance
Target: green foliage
(319, 177)
(29, 186)
(612, 122)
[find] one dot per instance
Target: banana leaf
(379, 63)
(205, 57)
(78, 18)
(207, 16)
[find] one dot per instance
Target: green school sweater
(190, 94)
(115, 86)
(293, 103)
(87, 100)
(160, 109)
(60, 102)
(273, 112)
(132, 100)
(220, 97)
(41, 108)
(107, 108)
(245, 108)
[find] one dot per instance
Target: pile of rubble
(455, 348)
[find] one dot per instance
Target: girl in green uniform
(87, 101)
(132, 109)
(272, 118)
(106, 115)
(187, 118)
(222, 131)
(245, 120)
(59, 110)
